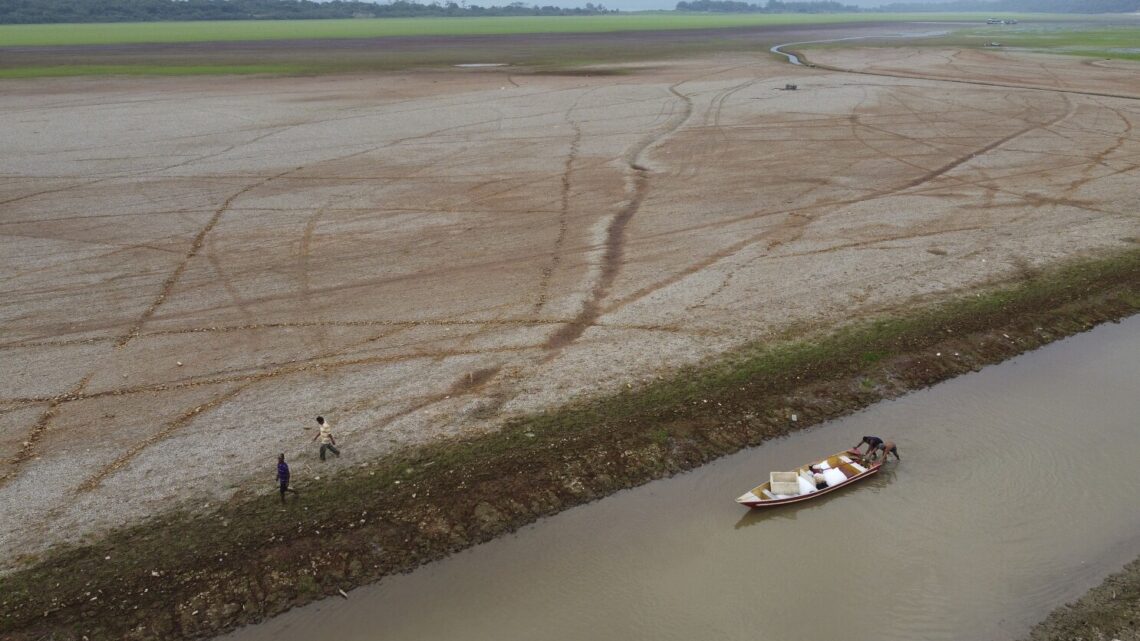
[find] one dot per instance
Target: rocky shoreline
(183, 576)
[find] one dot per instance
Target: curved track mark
(563, 220)
(615, 232)
(170, 428)
(28, 447)
(195, 247)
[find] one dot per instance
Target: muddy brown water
(1016, 493)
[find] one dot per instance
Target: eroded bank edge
(1109, 611)
(183, 575)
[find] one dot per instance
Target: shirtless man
(888, 448)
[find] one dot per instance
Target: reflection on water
(1015, 494)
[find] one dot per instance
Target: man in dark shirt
(283, 477)
(876, 444)
(873, 443)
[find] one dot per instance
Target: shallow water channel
(1016, 493)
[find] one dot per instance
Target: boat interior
(835, 470)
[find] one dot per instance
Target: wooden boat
(840, 470)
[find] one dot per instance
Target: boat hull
(756, 498)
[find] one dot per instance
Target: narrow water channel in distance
(1015, 494)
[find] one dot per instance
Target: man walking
(283, 478)
(326, 438)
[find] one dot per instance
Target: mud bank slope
(1109, 611)
(195, 575)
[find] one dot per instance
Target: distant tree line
(56, 11)
(773, 6)
(1022, 6)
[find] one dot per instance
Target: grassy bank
(1117, 41)
(190, 575)
(60, 71)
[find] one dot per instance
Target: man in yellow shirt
(326, 437)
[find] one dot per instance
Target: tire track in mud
(220, 329)
(167, 287)
(564, 206)
(312, 364)
(195, 247)
(798, 219)
(54, 190)
(28, 447)
(167, 431)
(719, 141)
(1070, 108)
(1101, 157)
(480, 328)
(472, 382)
(614, 243)
(199, 240)
(275, 129)
(563, 220)
(243, 382)
(462, 386)
(188, 416)
(983, 83)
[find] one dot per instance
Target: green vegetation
(1121, 41)
(236, 31)
(1049, 6)
(773, 6)
(57, 11)
(40, 57)
(152, 70)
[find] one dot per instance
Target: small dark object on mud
(790, 87)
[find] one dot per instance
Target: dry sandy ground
(192, 269)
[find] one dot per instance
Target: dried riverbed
(184, 576)
(443, 252)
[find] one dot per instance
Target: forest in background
(57, 11)
(73, 11)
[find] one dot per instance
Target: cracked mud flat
(193, 269)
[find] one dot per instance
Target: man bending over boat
(876, 444)
(888, 448)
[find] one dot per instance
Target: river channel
(1017, 491)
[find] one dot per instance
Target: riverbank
(194, 575)
(1109, 611)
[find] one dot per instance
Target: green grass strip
(150, 70)
(1113, 41)
(246, 30)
